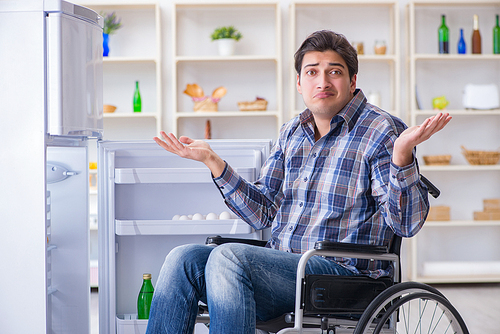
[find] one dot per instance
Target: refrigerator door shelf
(129, 324)
(182, 227)
(172, 175)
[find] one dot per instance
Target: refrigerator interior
(143, 189)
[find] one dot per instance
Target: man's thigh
(273, 274)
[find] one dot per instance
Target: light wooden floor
(479, 305)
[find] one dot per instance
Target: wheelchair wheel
(411, 308)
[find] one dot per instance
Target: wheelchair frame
(383, 313)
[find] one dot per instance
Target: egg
(176, 217)
(212, 216)
(225, 215)
(197, 216)
(184, 217)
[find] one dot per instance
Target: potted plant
(226, 38)
(111, 25)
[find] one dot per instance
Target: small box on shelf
(439, 213)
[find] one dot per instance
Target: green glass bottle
(137, 98)
(145, 297)
(443, 36)
(496, 39)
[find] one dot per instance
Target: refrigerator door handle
(57, 172)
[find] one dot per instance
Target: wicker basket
(257, 105)
(205, 105)
(481, 157)
(437, 159)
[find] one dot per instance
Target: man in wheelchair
(343, 170)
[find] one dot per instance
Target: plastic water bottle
(145, 297)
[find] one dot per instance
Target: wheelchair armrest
(218, 240)
(350, 247)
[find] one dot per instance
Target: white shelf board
(459, 112)
(462, 223)
(182, 227)
(205, 114)
(128, 60)
(385, 58)
(459, 168)
(466, 57)
(455, 2)
(131, 115)
(179, 59)
(343, 2)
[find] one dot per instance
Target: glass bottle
(145, 297)
(462, 48)
(137, 98)
(476, 36)
(496, 38)
(443, 36)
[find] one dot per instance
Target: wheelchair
(360, 305)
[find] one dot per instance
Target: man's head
(325, 40)
(327, 67)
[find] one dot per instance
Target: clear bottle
(145, 297)
(461, 48)
(496, 38)
(443, 38)
(476, 36)
(137, 98)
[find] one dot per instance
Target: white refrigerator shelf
(172, 175)
(182, 227)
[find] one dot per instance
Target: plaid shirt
(343, 187)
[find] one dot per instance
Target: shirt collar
(352, 110)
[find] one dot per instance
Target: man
(343, 170)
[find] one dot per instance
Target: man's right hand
(188, 148)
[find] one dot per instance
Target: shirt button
(314, 155)
(300, 204)
(305, 179)
(290, 228)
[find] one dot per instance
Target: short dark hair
(325, 40)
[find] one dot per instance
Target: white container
(226, 46)
(481, 97)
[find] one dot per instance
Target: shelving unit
(135, 55)
(374, 20)
(463, 249)
(254, 70)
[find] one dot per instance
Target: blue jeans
(241, 284)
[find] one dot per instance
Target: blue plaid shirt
(343, 187)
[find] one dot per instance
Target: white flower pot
(226, 46)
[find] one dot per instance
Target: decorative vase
(226, 46)
(105, 46)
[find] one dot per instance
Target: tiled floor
(479, 305)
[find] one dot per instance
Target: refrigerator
(51, 101)
(151, 201)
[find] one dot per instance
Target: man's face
(324, 83)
